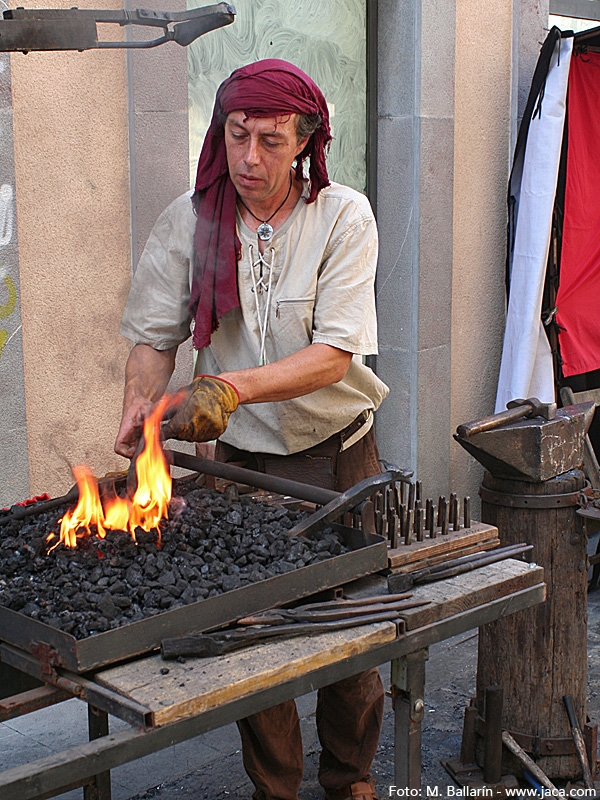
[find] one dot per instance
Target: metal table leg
(408, 689)
(99, 788)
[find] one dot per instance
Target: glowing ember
(150, 502)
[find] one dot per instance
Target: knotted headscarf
(264, 89)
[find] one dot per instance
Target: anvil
(533, 449)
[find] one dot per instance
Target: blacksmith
(274, 269)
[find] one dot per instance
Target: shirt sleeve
(156, 312)
(344, 312)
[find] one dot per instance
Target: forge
(219, 556)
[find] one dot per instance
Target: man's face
(260, 153)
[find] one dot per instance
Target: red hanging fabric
(578, 298)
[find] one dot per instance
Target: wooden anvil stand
(529, 661)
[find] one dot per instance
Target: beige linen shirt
(314, 283)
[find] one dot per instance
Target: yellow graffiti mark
(7, 309)
(3, 336)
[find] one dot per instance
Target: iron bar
(433, 524)
(32, 700)
(467, 511)
(492, 757)
(80, 687)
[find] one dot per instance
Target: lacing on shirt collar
(261, 286)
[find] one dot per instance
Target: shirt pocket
(293, 324)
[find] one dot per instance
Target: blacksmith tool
(336, 502)
(515, 410)
(512, 745)
(24, 29)
(452, 510)
(411, 495)
(408, 525)
(206, 645)
(579, 741)
(285, 623)
(467, 511)
(432, 527)
(419, 523)
(403, 581)
(444, 515)
(455, 511)
(529, 449)
(333, 610)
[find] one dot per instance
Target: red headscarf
(263, 89)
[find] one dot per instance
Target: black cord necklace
(264, 230)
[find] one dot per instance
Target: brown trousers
(349, 712)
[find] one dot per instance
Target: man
(276, 273)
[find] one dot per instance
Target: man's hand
(132, 426)
(203, 410)
(147, 374)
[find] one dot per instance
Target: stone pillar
(453, 78)
(415, 214)
(158, 144)
(72, 204)
(485, 67)
(14, 466)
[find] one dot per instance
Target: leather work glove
(203, 412)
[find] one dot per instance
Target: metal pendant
(264, 231)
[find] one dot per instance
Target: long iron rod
(271, 483)
(517, 750)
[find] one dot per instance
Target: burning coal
(218, 543)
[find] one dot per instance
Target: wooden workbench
(202, 694)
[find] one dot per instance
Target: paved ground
(210, 768)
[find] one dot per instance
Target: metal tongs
(278, 623)
(402, 581)
(25, 29)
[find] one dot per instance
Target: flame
(116, 514)
(151, 499)
(88, 510)
(149, 504)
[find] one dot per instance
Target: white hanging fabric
(526, 368)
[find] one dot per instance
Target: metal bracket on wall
(22, 29)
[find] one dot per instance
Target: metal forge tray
(368, 554)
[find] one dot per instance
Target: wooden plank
(409, 553)
(464, 551)
(471, 589)
(201, 684)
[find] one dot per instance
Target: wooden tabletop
(201, 684)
